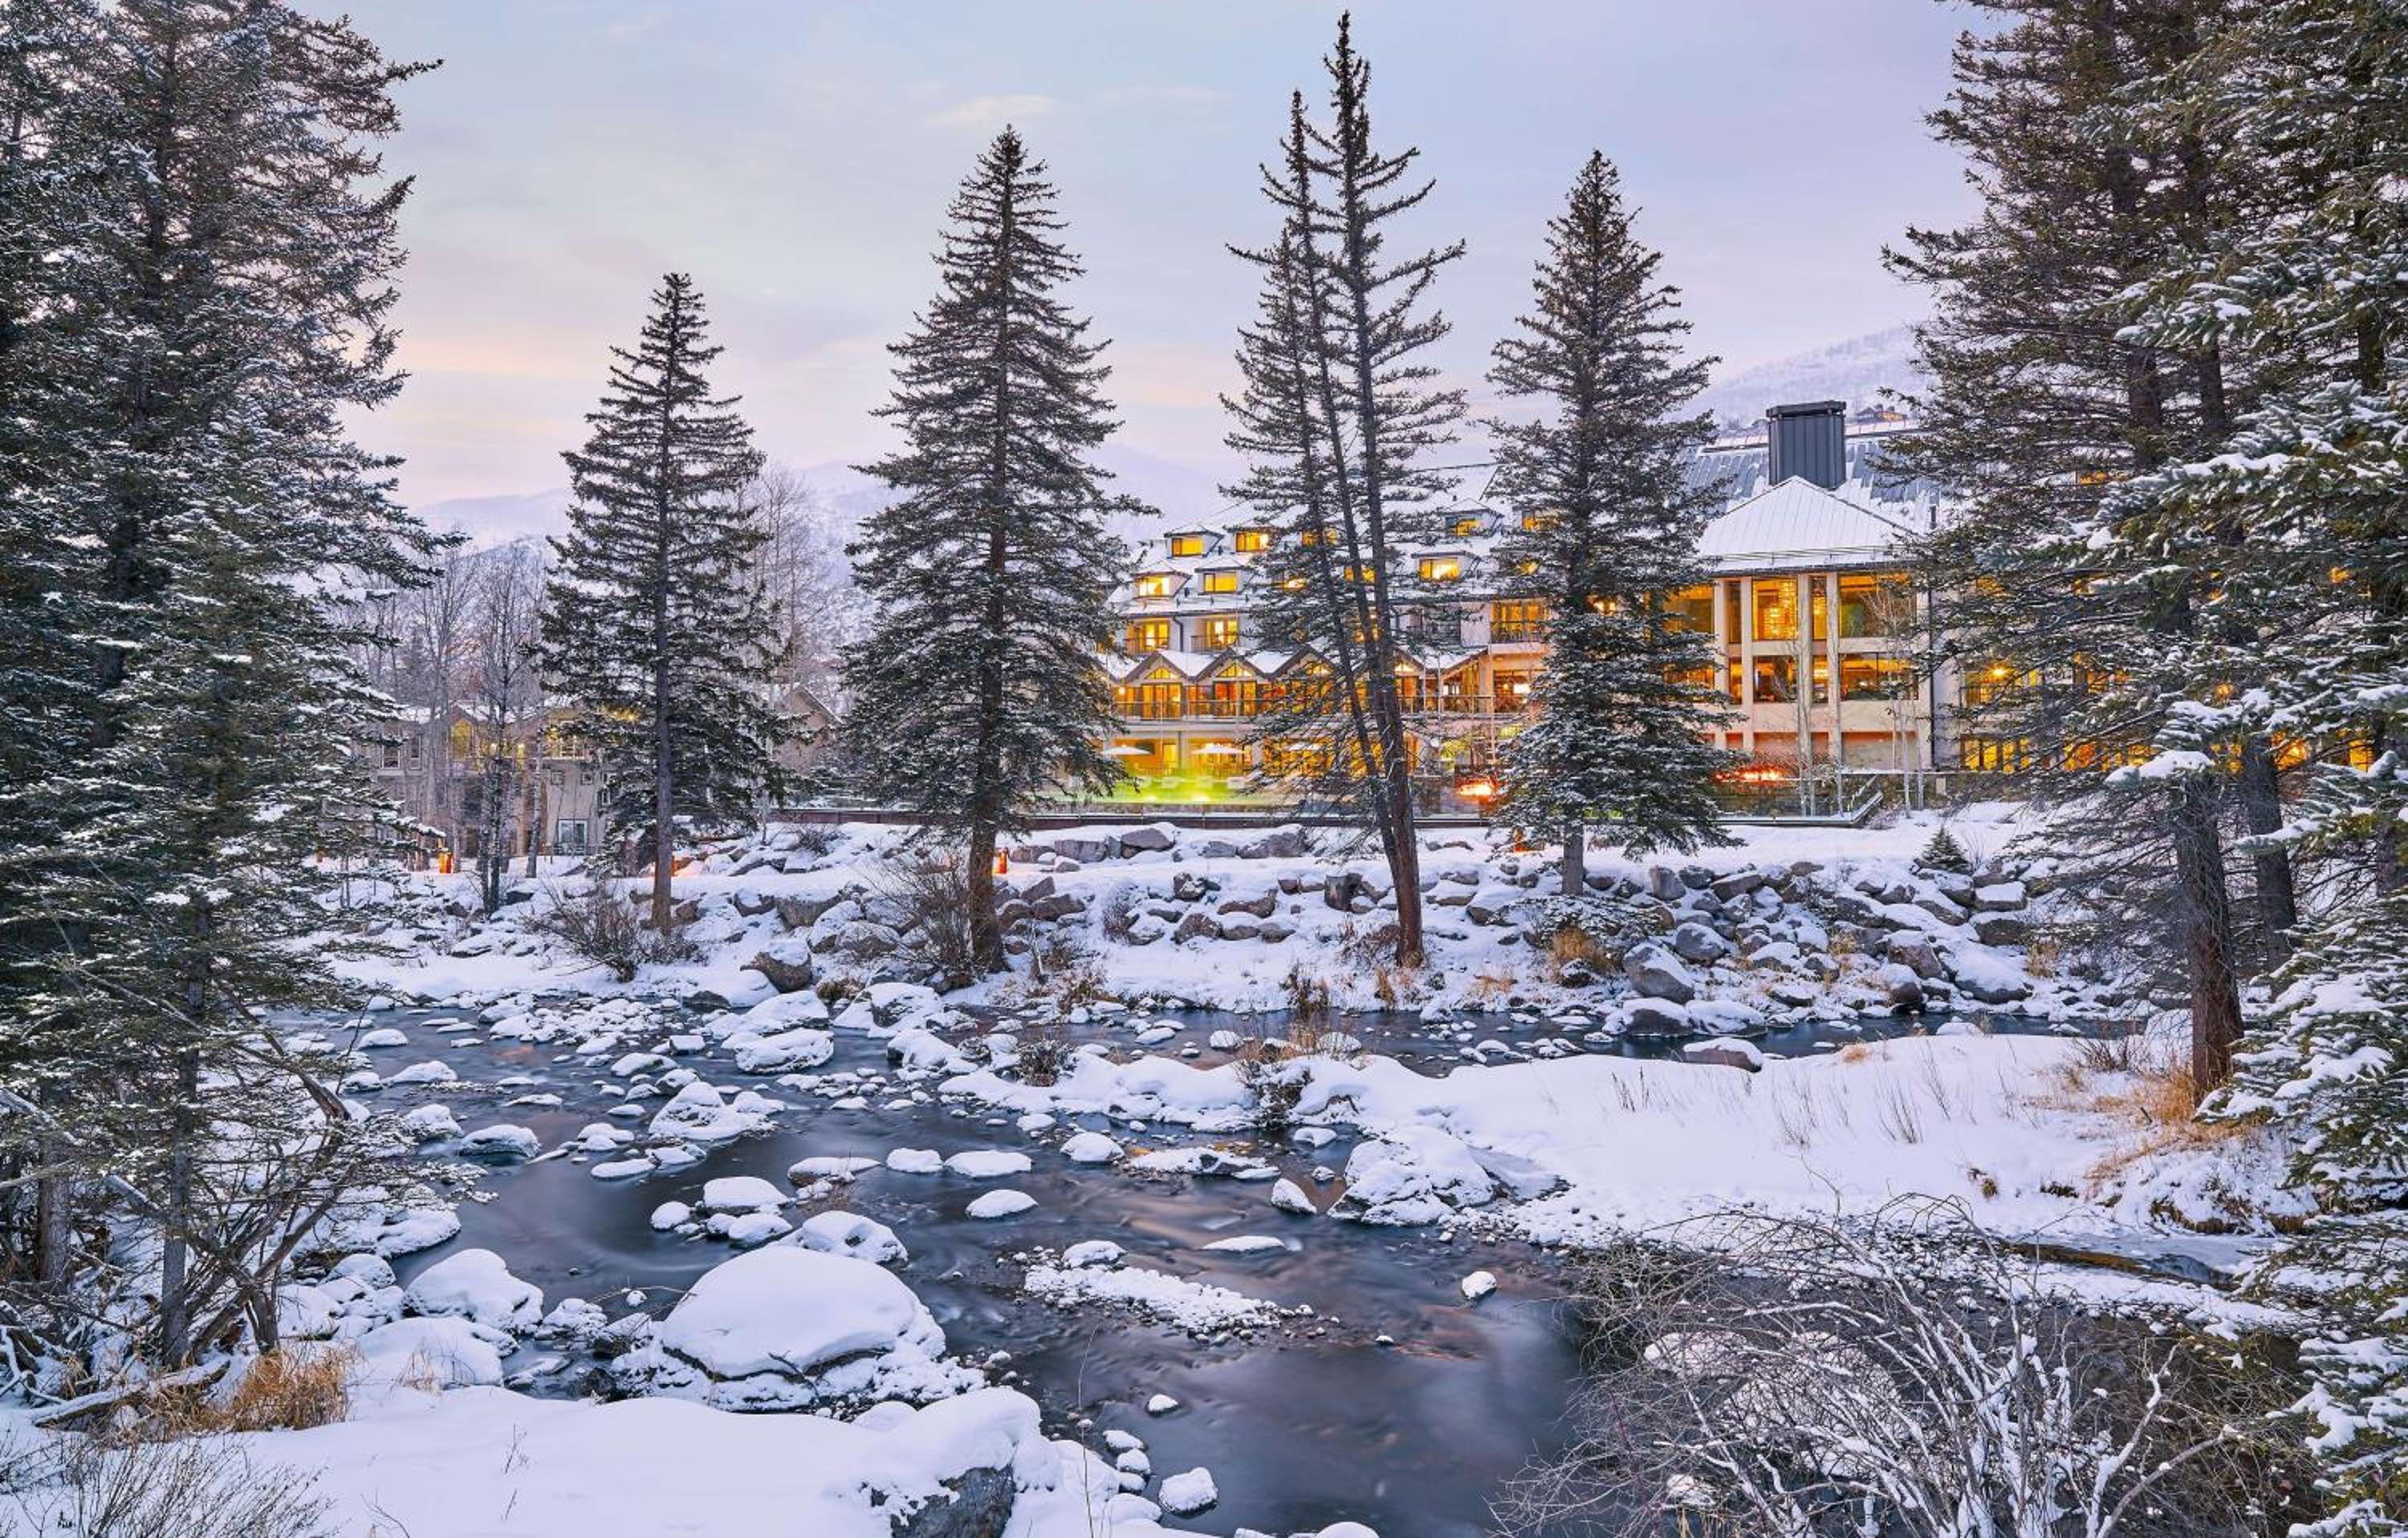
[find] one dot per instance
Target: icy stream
(1395, 1403)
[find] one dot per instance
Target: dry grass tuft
(293, 1387)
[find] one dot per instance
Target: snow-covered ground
(1554, 1135)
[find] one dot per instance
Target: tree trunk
(53, 1217)
(2261, 803)
(1573, 869)
(664, 857)
(535, 807)
(175, 1299)
(986, 935)
(2207, 916)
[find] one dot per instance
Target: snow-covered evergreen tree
(211, 310)
(975, 690)
(2316, 478)
(2100, 627)
(656, 628)
(1341, 411)
(1607, 535)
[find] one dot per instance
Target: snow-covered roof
(1797, 522)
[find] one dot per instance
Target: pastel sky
(796, 159)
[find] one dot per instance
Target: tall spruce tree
(212, 301)
(2043, 402)
(975, 689)
(655, 624)
(2317, 475)
(1340, 415)
(1623, 706)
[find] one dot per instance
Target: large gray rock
(1999, 897)
(1655, 972)
(1657, 1017)
(1150, 836)
(2001, 928)
(1084, 848)
(1262, 905)
(751, 903)
(1493, 905)
(1901, 986)
(1694, 941)
(1914, 952)
(1663, 885)
(1342, 889)
(1738, 884)
(786, 963)
(1197, 925)
(1285, 842)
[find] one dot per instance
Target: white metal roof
(1799, 523)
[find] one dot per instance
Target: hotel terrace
(1807, 583)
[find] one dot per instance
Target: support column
(1747, 664)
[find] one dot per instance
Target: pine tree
(2044, 403)
(655, 625)
(2316, 474)
(1944, 852)
(1338, 412)
(1626, 699)
(975, 689)
(214, 305)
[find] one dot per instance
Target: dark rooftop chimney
(1809, 439)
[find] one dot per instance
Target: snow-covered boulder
(476, 1285)
(1004, 1203)
(850, 1234)
(502, 1140)
(1413, 1174)
(785, 1326)
(701, 1113)
(439, 1352)
(784, 1052)
(1090, 1148)
(1655, 972)
(429, 1124)
(988, 1163)
(741, 1194)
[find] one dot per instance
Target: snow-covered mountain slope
(1856, 371)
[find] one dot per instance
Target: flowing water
(1397, 1403)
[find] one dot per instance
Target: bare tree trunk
(54, 1216)
(175, 1298)
(2206, 915)
(1573, 869)
(2261, 804)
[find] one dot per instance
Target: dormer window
(1220, 582)
(1441, 568)
(1186, 544)
(1155, 584)
(1252, 541)
(1467, 525)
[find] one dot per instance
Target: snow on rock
(785, 1051)
(1413, 1174)
(1198, 1307)
(915, 1161)
(1003, 1204)
(437, 1352)
(1090, 1148)
(1160, 1404)
(1246, 1244)
(1288, 1197)
(1479, 1284)
(741, 1194)
(988, 1163)
(384, 1036)
(848, 1233)
(478, 1286)
(1092, 1252)
(430, 1071)
(785, 1326)
(670, 1215)
(503, 1140)
(700, 1112)
(1185, 1494)
(429, 1124)
(579, 1469)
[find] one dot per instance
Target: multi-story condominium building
(1822, 640)
(438, 774)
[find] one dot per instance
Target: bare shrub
(1045, 1050)
(188, 1487)
(817, 839)
(1118, 912)
(1273, 1067)
(1901, 1373)
(1308, 995)
(293, 1387)
(596, 923)
(932, 886)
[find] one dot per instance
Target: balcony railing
(1237, 710)
(1503, 631)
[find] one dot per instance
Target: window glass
(1220, 582)
(1220, 631)
(1776, 680)
(1776, 609)
(1872, 678)
(1187, 544)
(1692, 609)
(1153, 585)
(1874, 605)
(1252, 541)
(1441, 568)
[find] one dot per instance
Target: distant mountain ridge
(1856, 371)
